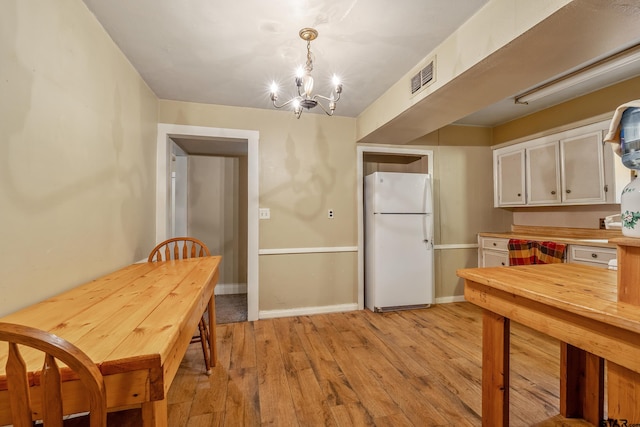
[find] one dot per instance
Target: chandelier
(304, 83)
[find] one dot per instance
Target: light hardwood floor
(419, 367)
(406, 368)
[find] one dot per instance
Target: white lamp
(597, 69)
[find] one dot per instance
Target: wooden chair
(181, 248)
(53, 347)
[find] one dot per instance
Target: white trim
(306, 311)
(286, 251)
(456, 246)
(455, 298)
(231, 288)
(361, 149)
(163, 202)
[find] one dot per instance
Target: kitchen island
(578, 305)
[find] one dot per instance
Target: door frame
(361, 150)
(163, 192)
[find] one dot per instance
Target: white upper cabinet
(573, 167)
(509, 169)
(543, 174)
(583, 168)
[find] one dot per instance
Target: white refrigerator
(398, 241)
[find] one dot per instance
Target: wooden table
(135, 323)
(579, 306)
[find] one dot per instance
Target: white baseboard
(231, 288)
(305, 311)
(455, 298)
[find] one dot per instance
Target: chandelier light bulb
(308, 85)
(274, 91)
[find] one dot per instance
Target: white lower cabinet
(493, 252)
(591, 255)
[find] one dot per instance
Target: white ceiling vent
(424, 78)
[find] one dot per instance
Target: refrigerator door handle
(427, 226)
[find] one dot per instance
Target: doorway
(178, 143)
(400, 157)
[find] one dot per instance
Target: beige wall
(306, 167)
(77, 168)
(603, 101)
(464, 190)
(217, 211)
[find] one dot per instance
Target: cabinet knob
(568, 191)
(553, 192)
(594, 255)
(518, 194)
(495, 244)
(502, 263)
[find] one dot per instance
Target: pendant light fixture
(304, 84)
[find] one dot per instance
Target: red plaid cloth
(550, 252)
(527, 252)
(521, 252)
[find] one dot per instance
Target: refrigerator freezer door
(401, 273)
(400, 192)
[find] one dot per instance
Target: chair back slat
(179, 248)
(52, 386)
(18, 386)
(53, 347)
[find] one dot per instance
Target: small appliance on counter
(613, 222)
(624, 134)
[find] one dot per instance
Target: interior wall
(603, 101)
(567, 216)
(307, 166)
(77, 168)
(217, 212)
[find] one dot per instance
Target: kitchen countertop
(569, 236)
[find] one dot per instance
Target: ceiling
(228, 53)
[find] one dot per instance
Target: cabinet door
(582, 169)
(510, 176)
(543, 174)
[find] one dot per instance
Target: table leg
(623, 392)
(212, 332)
(155, 413)
(495, 370)
(581, 384)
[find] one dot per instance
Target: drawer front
(495, 244)
(495, 259)
(592, 255)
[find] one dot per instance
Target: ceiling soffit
(575, 35)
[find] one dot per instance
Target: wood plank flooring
(407, 368)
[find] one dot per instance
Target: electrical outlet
(330, 214)
(602, 226)
(264, 213)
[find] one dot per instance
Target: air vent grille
(423, 78)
